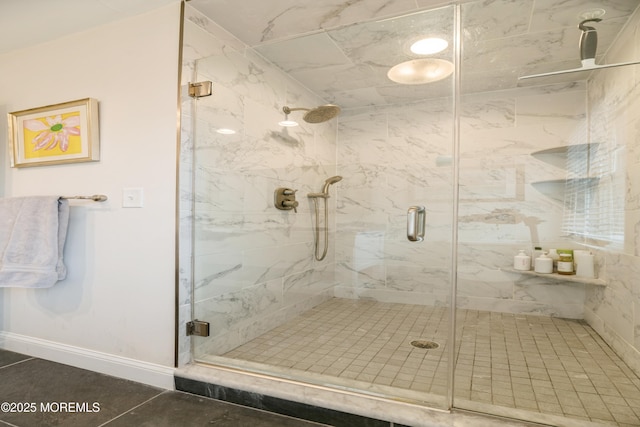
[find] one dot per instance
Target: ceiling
(25, 23)
(342, 49)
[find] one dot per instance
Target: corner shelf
(558, 277)
(557, 156)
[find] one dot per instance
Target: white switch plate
(132, 197)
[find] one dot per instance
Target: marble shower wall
(393, 158)
(253, 264)
(614, 108)
(506, 202)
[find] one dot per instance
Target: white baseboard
(104, 363)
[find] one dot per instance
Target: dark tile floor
(40, 393)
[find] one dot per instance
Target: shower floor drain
(425, 344)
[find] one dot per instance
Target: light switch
(132, 197)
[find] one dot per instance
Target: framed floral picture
(55, 134)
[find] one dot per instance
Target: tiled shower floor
(554, 366)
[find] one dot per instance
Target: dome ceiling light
(420, 71)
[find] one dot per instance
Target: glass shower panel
(536, 346)
(373, 315)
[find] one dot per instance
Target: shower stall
(335, 289)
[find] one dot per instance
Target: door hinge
(198, 328)
(200, 89)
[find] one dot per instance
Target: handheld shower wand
(324, 195)
(329, 182)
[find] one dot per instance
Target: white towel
(32, 235)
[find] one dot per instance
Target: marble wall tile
(527, 49)
(419, 279)
(403, 253)
(487, 114)
(568, 311)
(305, 53)
(371, 42)
(230, 311)
(547, 13)
(549, 291)
(370, 276)
(400, 297)
(563, 108)
(307, 284)
(184, 342)
(615, 309)
(483, 283)
(211, 31)
(307, 16)
(481, 22)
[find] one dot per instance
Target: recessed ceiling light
(225, 131)
(420, 71)
(288, 123)
(429, 46)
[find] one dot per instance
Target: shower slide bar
(95, 197)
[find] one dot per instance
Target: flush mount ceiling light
(420, 71)
(429, 46)
(226, 131)
(288, 123)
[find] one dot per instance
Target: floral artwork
(61, 133)
(53, 132)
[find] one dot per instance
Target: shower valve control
(285, 199)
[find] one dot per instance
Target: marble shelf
(559, 277)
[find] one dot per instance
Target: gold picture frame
(55, 134)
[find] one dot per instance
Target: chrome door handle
(415, 223)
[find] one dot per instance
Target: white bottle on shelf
(584, 264)
(544, 264)
(522, 261)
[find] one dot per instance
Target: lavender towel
(32, 235)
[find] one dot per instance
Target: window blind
(595, 192)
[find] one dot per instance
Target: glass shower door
(372, 316)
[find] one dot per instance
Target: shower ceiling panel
(342, 50)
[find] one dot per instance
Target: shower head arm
(584, 27)
(288, 110)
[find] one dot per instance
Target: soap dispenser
(522, 261)
(544, 264)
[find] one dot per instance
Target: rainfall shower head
(319, 114)
(588, 45)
